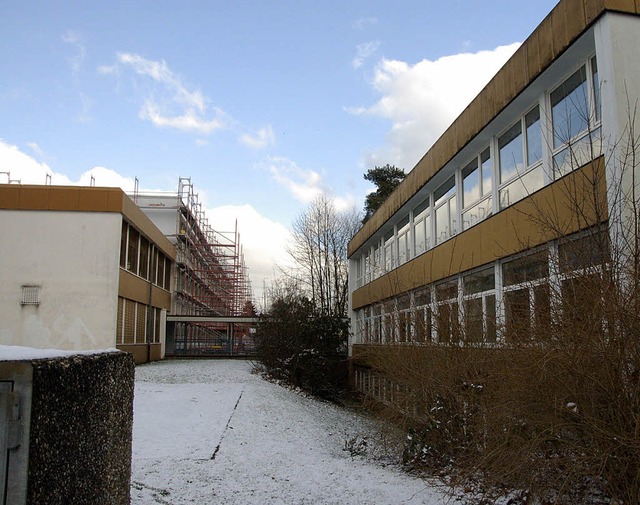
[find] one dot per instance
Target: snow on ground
(212, 432)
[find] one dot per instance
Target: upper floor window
(570, 108)
(446, 210)
(421, 228)
(477, 200)
(520, 159)
(389, 253)
(575, 113)
(403, 241)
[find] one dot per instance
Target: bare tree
(320, 237)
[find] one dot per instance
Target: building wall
(72, 257)
(575, 83)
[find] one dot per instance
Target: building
(82, 268)
(471, 245)
(212, 284)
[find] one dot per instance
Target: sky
(263, 104)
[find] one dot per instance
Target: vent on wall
(30, 295)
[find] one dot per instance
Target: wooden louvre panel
(141, 324)
(129, 321)
(119, 329)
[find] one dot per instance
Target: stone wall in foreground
(79, 430)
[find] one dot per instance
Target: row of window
(143, 258)
(137, 323)
(513, 300)
(557, 134)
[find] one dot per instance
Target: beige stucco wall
(74, 257)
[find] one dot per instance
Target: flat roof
(82, 199)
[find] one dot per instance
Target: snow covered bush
(301, 347)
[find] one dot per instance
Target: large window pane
(470, 183)
(511, 152)
(576, 155)
(445, 191)
(477, 213)
(534, 136)
(596, 86)
(570, 108)
(587, 251)
(485, 164)
(477, 282)
(526, 269)
(520, 188)
(442, 223)
(473, 320)
(517, 315)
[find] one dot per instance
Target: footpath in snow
(212, 432)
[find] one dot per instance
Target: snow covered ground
(211, 432)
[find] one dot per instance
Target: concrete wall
(81, 430)
(73, 257)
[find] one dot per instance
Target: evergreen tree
(386, 179)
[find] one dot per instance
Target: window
(389, 321)
(389, 256)
(403, 306)
(570, 108)
(422, 315)
(446, 211)
(480, 306)
(421, 228)
(527, 298)
(584, 280)
(596, 88)
(157, 324)
(447, 326)
(520, 156)
(476, 185)
(510, 151)
(533, 136)
(575, 114)
(403, 241)
(359, 264)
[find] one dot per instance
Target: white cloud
(169, 102)
(264, 242)
(304, 184)
(422, 100)
(27, 170)
(363, 52)
(190, 120)
(361, 23)
(263, 138)
(74, 39)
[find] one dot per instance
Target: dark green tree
(386, 179)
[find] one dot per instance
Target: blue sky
(262, 103)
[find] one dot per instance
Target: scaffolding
(211, 278)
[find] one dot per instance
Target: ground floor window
(515, 300)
